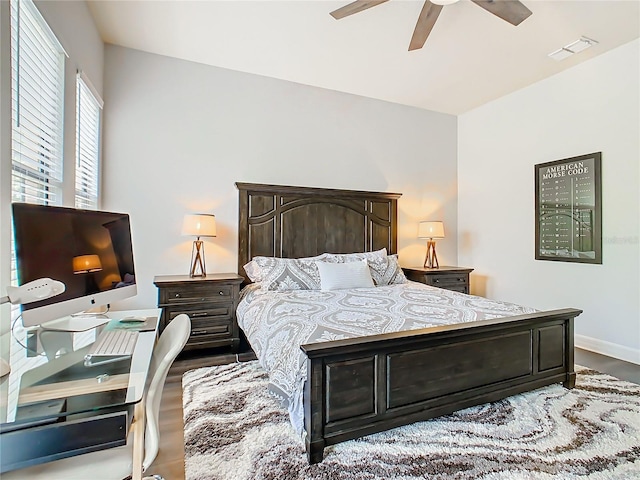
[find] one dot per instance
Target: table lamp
(88, 264)
(198, 225)
(430, 231)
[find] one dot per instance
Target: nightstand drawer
(197, 293)
(208, 320)
(447, 280)
(219, 329)
(462, 288)
(206, 341)
(202, 311)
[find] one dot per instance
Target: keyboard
(111, 346)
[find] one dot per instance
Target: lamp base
(431, 259)
(198, 268)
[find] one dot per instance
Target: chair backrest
(171, 342)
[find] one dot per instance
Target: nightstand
(209, 301)
(450, 278)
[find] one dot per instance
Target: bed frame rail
(360, 386)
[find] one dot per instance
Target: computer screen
(89, 251)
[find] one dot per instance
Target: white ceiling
(470, 58)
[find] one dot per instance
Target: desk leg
(138, 440)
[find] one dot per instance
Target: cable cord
(13, 335)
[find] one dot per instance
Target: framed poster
(569, 209)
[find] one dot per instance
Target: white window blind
(37, 89)
(37, 61)
(87, 146)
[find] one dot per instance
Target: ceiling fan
(512, 11)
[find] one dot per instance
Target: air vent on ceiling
(574, 47)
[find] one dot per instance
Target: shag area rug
(235, 430)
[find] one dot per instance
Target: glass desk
(52, 406)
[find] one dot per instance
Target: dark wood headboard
(292, 222)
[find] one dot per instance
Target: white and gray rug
(235, 430)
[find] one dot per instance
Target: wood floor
(170, 460)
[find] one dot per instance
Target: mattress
(276, 323)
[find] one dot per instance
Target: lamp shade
(430, 230)
(199, 225)
(86, 264)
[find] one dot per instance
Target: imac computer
(89, 251)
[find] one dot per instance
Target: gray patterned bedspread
(276, 323)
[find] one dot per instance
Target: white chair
(117, 463)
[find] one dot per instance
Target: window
(37, 62)
(87, 145)
(37, 92)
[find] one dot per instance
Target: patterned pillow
(285, 273)
(352, 257)
(386, 271)
(253, 271)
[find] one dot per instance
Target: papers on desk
(149, 325)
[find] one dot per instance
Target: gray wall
(179, 134)
(592, 107)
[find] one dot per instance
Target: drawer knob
(436, 281)
(177, 295)
(221, 293)
(202, 299)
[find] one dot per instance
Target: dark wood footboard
(364, 385)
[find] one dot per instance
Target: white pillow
(338, 276)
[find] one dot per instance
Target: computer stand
(76, 323)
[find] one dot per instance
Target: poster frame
(595, 177)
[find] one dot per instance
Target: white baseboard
(614, 350)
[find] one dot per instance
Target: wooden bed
(360, 386)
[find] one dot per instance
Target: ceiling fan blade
(355, 7)
(512, 11)
(424, 25)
